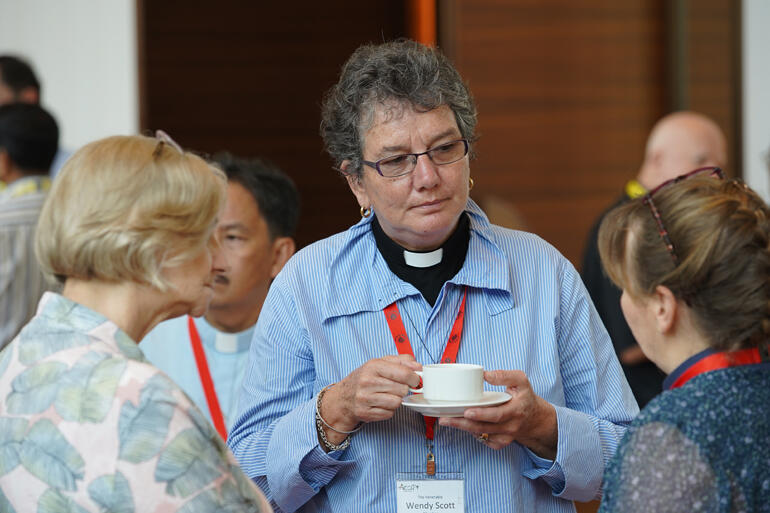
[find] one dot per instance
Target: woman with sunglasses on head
(86, 423)
(693, 260)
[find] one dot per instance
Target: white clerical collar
(226, 342)
(423, 259)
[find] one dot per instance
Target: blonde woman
(693, 260)
(86, 424)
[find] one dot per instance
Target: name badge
(445, 493)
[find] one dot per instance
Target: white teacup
(455, 382)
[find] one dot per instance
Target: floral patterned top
(86, 424)
(703, 447)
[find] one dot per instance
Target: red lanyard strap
(397, 329)
(720, 360)
(206, 381)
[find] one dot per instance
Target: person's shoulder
(153, 385)
(21, 210)
(525, 248)
(321, 250)
(706, 399)
(319, 257)
(161, 421)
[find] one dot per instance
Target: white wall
(84, 53)
(756, 94)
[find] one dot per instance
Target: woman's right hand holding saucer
(370, 393)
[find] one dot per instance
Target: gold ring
(483, 438)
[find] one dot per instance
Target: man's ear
(5, 165)
(283, 249)
(665, 307)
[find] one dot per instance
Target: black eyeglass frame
(376, 165)
(647, 200)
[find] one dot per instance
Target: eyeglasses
(647, 200)
(164, 138)
(400, 165)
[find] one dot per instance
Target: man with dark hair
(256, 232)
(28, 142)
(19, 84)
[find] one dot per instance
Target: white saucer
(449, 408)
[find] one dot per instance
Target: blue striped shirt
(21, 282)
(526, 309)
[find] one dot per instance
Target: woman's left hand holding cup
(370, 393)
(526, 418)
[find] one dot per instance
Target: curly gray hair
(403, 72)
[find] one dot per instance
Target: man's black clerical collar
(429, 270)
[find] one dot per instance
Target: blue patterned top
(702, 447)
(526, 309)
(86, 424)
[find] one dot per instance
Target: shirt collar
(360, 280)
(59, 310)
(682, 368)
(208, 334)
(26, 185)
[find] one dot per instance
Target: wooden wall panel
(249, 76)
(567, 92)
(712, 33)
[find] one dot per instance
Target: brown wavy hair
(721, 233)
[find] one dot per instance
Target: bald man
(678, 143)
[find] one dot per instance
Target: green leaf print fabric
(52, 501)
(11, 435)
(5, 359)
(227, 500)
(188, 463)
(143, 428)
(5, 505)
(128, 347)
(88, 389)
(40, 343)
(47, 454)
(34, 390)
(112, 493)
(87, 424)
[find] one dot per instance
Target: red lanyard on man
(397, 329)
(721, 360)
(206, 381)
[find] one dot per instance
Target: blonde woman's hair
(125, 208)
(721, 233)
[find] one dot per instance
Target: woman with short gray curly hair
(87, 423)
(424, 277)
(693, 260)
(398, 74)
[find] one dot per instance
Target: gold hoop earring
(470, 183)
(366, 212)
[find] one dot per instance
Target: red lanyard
(396, 325)
(716, 361)
(206, 381)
